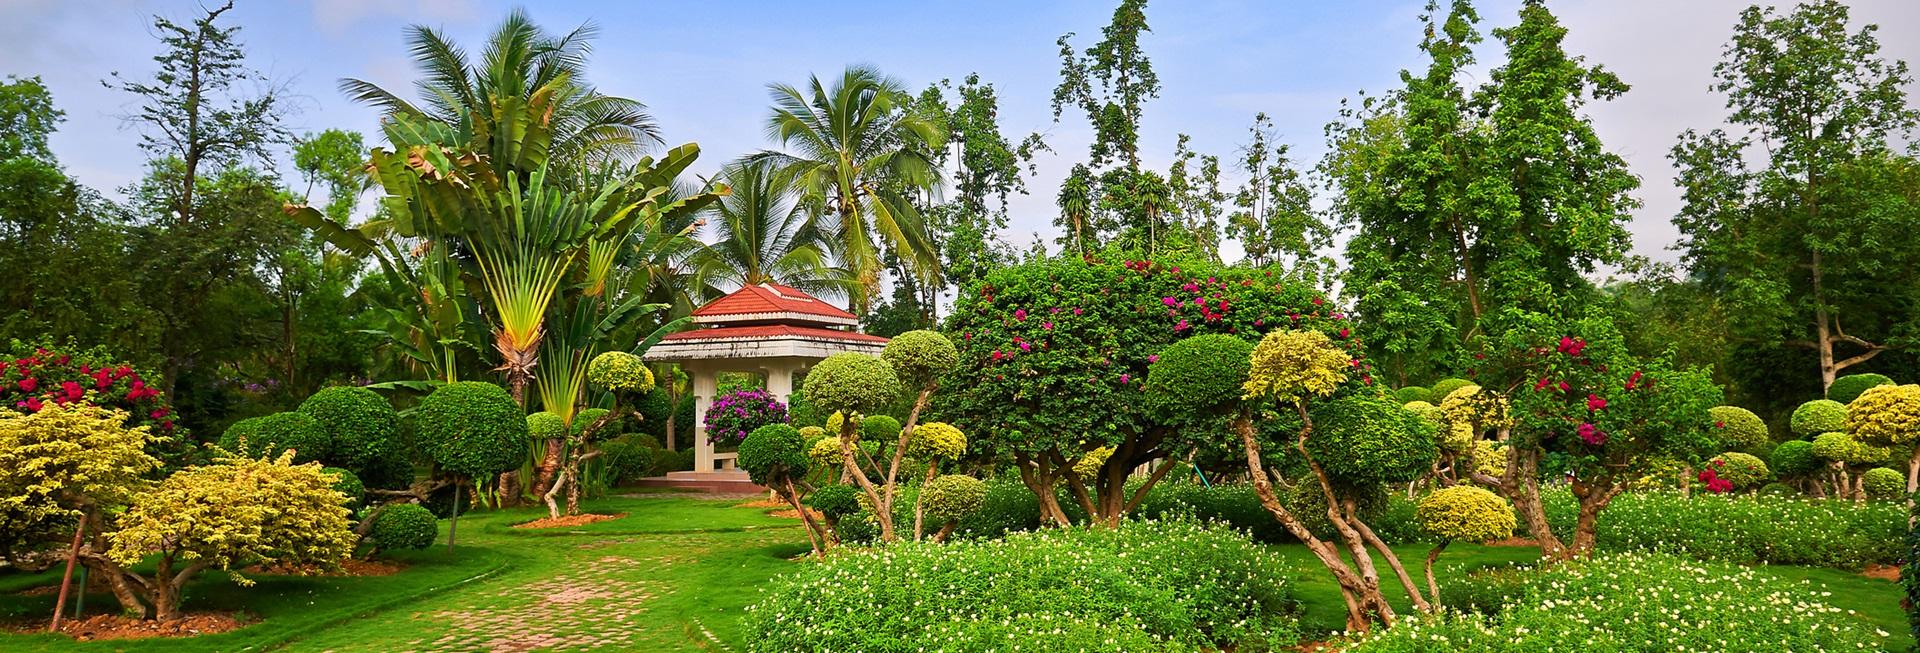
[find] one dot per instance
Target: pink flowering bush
(35, 376)
(736, 414)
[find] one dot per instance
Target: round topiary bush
(345, 482)
(1744, 471)
(825, 453)
(1199, 376)
(627, 459)
(403, 526)
(1426, 411)
(835, 501)
(937, 440)
(586, 418)
(1414, 393)
(1292, 364)
(1818, 416)
(880, 428)
(920, 357)
(544, 426)
(1778, 490)
(268, 435)
(1738, 429)
(361, 425)
(1793, 458)
(1883, 483)
(472, 428)
(1841, 447)
(1847, 388)
(952, 497)
(732, 416)
(1886, 416)
(1370, 439)
(850, 382)
(773, 455)
(620, 371)
(1489, 457)
(1465, 513)
(1445, 387)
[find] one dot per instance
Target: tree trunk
(549, 464)
(1521, 486)
(66, 579)
(919, 503)
(882, 512)
(1393, 561)
(1039, 477)
(1913, 483)
(1433, 589)
(1593, 498)
(453, 526)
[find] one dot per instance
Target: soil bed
(567, 521)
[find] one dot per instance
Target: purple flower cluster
(735, 414)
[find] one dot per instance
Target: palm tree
(859, 154)
(766, 236)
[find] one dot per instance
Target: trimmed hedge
(403, 526)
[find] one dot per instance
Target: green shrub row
(1146, 586)
(1629, 603)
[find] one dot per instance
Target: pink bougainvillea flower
(32, 404)
(1592, 435)
(1053, 311)
(1353, 362)
(1542, 385)
(1182, 326)
(1318, 301)
(1200, 302)
(1565, 387)
(1047, 325)
(1125, 378)
(1026, 346)
(1338, 316)
(1169, 301)
(1594, 402)
(1633, 380)
(1020, 314)
(1153, 358)
(1190, 287)
(1344, 332)
(1076, 310)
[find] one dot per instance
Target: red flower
(1318, 301)
(1592, 435)
(1594, 402)
(32, 404)
(1020, 314)
(1564, 387)
(1343, 333)
(1719, 425)
(29, 384)
(1633, 380)
(1542, 385)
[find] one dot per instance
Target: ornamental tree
(1794, 461)
(850, 384)
(1054, 358)
(774, 456)
(950, 498)
(1889, 416)
(228, 515)
(62, 466)
(362, 429)
(1578, 393)
(931, 443)
(1845, 457)
(1818, 416)
(34, 376)
(1461, 512)
(472, 430)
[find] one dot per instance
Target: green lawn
(673, 575)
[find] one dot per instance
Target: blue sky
(702, 67)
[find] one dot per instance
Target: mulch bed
(567, 521)
(113, 626)
(1882, 572)
(348, 567)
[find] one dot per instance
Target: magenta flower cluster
(735, 414)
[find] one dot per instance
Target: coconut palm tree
(765, 235)
(859, 155)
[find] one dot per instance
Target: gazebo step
(719, 482)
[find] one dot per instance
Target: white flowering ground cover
(1642, 602)
(1745, 529)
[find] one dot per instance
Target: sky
(702, 67)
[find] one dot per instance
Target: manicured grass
(675, 574)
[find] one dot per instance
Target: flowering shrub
(1144, 586)
(1639, 603)
(1744, 528)
(1818, 416)
(1741, 471)
(734, 415)
(1845, 389)
(35, 376)
(1739, 429)
(1465, 513)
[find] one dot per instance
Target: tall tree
(1193, 182)
(762, 235)
(987, 167)
(1819, 233)
(860, 152)
(1274, 218)
(1125, 81)
(27, 117)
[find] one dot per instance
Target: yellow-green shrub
(937, 440)
(1886, 415)
(1883, 483)
(1739, 429)
(1293, 364)
(1465, 513)
(952, 497)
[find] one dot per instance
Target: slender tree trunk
(1433, 589)
(1393, 562)
(453, 526)
(66, 579)
(882, 512)
(1913, 483)
(1039, 478)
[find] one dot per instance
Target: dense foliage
(1745, 529)
(733, 416)
(60, 463)
(403, 526)
(471, 428)
(362, 428)
(269, 435)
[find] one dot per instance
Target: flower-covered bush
(1739, 429)
(403, 526)
(619, 371)
(544, 425)
(1847, 388)
(1793, 458)
(268, 435)
(1140, 587)
(1883, 483)
(1633, 603)
(471, 428)
(732, 416)
(1465, 513)
(1414, 393)
(33, 377)
(951, 497)
(850, 382)
(1818, 416)
(937, 440)
(1742, 471)
(1744, 529)
(362, 428)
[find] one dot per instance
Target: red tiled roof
(772, 331)
(770, 298)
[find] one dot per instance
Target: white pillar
(704, 386)
(780, 379)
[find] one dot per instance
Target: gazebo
(767, 329)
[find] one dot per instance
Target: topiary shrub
(348, 484)
(937, 440)
(1200, 375)
(1414, 393)
(881, 429)
(1426, 411)
(1369, 439)
(1744, 471)
(587, 417)
(773, 455)
(1738, 429)
(627, 459)
(1465, 513)
(619, 371)
(268, 435)
(1444, 387)
(543, 426)
(1843, 448)
(825, 453)
(471, 428)
(1883, 483)
(1818, 416)
(1847, 388)
(1793, 458)
(403, 526)
(361, 425)
(835, 501)
(1886, 416)
(732, 416)
(919, 357)
(850, 382)
(952, 497)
